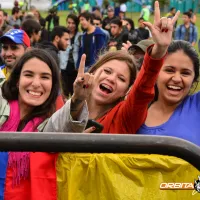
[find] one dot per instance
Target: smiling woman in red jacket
(115, 73)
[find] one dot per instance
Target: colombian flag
(40, 183)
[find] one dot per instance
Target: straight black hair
(10, 89)
(189, 50)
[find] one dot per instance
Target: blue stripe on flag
(3, 167)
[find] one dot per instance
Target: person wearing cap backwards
(14, 44)
(138, 51)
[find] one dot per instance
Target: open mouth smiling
(106, 88)
(36, 94)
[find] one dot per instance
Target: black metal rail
(101, 143)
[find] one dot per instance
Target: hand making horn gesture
(83, 82)
(161, 31)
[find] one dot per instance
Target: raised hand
(126, 45)
(82, 89)
(161, 31)
(83, 83)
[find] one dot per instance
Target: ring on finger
(166, 25)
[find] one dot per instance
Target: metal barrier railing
(101, 143)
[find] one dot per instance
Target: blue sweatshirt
(184, 122)
(97, 44)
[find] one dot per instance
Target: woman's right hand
(83, 83)
(161, 31)
(82, 89)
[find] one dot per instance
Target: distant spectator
(29, 15)
(59, 42)
(15, 18)
(187, 31)
(32, 9)
(193, 17)
(16, 4)
(133, 34)
(143, 32)
(6, 17)
(4, 27)
(33, 29)
(123, 7)
(97, 12)
(93, 40)
(40, 19)
(97, 21)
(117, 8)
(122, 11)
(118, 35)
(69, 58)
(44, 32)
(52, 19)
(171, 13)
(145, 12)
(109, 18)
(138, 51)
(86, 6)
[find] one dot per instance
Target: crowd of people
(130, 80)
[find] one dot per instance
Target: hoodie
(97, 44)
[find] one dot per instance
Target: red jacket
(127, 116)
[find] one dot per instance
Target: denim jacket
(181, 30)
(64, 55)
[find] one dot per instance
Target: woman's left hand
(161, 31)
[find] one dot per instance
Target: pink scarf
(19, 161)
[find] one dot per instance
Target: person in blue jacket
(174, 111)
(92, 41)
